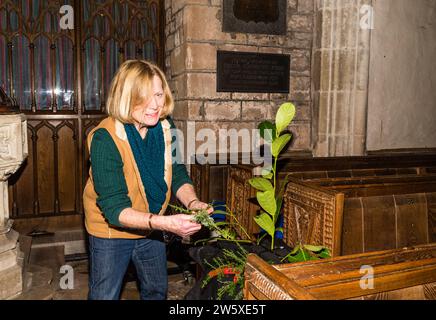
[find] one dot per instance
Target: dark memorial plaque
(252, 72)
(255, 16)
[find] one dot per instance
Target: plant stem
(274, 217)
(238, 223)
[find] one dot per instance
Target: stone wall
(193, 36)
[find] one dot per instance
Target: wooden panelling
(239, 200)
(351, 176)
(45, 170)
(431, 207)
(352, 231)
(412, 219)
(21, 184)
(88, 125)
(379, 223)
(217, 183)
(310, 216)
(408, 273)
(53, 187)
(67, 163)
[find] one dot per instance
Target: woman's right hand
(181, 225)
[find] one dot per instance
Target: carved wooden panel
(431, 207)
(239, 200)
(197, 178)
(352, 230)
(312, 216)
(411, 216)
(400, 274)
(263, 288)
(48, 181)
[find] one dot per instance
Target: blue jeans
(109, 259)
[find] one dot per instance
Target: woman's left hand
(199, 205)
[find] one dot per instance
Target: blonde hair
(131, 86)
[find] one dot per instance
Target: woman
(131, 178)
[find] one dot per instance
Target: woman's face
(149, 112)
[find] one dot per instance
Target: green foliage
(279, 143)
(223, 229)
(265, 222)
(267, 131)
(305, 252)
(269, 195)
(261, 184)
(267, 201)
(284, 116)
(234, 260)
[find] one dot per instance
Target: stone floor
(177, 288)
(43, 279)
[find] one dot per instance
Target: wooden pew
(407, 273)
(361, 217)
(240, 197)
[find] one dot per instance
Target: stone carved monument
(13, 150)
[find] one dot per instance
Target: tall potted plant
(228, 266)
(270, 194)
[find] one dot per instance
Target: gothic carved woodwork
(312, 216)
(400, 274)
(197, 179)
(60, 78)
(240, 195)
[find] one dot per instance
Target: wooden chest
(408, 273)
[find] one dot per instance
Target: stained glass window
(39, 61)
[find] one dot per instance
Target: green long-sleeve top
(109, 182)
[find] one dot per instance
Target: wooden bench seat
(352, 176)
(241, 196)
(360, 218)
(407, 273)
(211, 179)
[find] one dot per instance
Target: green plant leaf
(313, 248)
(265, 222)
(324, 254)
(279, 143)
(267, 173)
(284, 116)
(261, 184)
(279, 205)
(267, 201)
(280, 229)
(300, 256)
(267, 131)
(220, 212)
(221, 223)
(294, 251)
(304, 254)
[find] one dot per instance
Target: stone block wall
(194, 34)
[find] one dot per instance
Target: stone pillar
(341, 66)
(13, 150)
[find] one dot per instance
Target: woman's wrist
(150, 226)
(191, 202)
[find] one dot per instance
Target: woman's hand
(181, 224)
(199, 205)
